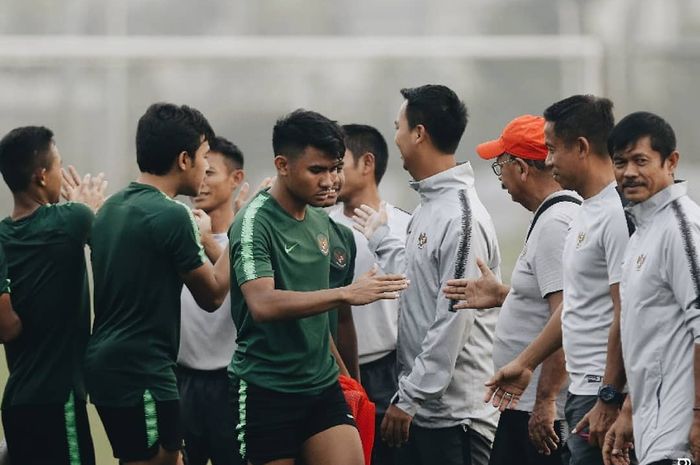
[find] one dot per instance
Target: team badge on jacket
(422, 240)
(323, 244)
(640, 261)
(579, 240)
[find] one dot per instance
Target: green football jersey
(292, 355)
(45, 254)
(142, 242)
(343, 252)
(4, 281)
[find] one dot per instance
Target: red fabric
(363, 410)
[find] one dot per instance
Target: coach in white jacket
(660, 320)
(444, 356)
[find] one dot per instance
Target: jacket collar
(459, 177)
(644, 211)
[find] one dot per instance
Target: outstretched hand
(88, 190)
(485, 292)
(371, 287)
(507, 385)
(367, 220)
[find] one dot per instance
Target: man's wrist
(609, 395)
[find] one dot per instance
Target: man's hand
(369, 287)
(485, 292)
(368, 220)
(203, 221)
(243, 194)
(541, 426)
(90, 190)
(507, 385)
(395, 426)
(695, 437)
(598, 420)
(619, 440)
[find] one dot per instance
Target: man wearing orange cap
(535, 426)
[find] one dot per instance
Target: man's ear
(236, 177)
(583, 146)
(368, 161)
(39, 177)
(524, 169)
(672, 162)
(419, 134)
(183, 161)
(282, 165)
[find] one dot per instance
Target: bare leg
(339, 445)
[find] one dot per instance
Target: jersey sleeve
(78, 220)
(615, 238)
(249, 237)
(176, 233)
(547, 256)
(4, 281)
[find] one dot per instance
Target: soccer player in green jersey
(343, 253)
(43, 407)
(289, 402)
(145, 245)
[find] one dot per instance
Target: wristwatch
(609, 395)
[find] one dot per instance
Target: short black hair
(440, 111)
(637, 125)
(165, 131)
(583, 116)
(362, 138)
(22, 151)
(303, 128)
(232, 154)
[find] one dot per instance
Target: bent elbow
(258, 315)
(11, 333)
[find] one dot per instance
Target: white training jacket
(444, 357)
(660, 321)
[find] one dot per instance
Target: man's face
(640, 171)
(510, 175)
(310, 177)
(353, 180)
(220, 181)
(54, 178)
(403, 136)
(562, 157)
(194, 175)
(338, 182)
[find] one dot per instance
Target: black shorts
(52, 434)
(137, 432)
(273, 425)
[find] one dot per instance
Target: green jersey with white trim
(45, 254)
(290, 355)
(143, 242)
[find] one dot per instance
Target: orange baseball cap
(523, 137)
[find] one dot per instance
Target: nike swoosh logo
(290, 248)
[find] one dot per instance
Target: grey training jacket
(660, 321)
(444, 357)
